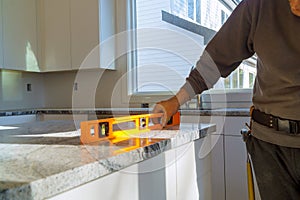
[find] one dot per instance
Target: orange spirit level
(122, 128)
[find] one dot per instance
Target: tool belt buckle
(288, 126)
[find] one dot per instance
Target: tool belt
(277, 123)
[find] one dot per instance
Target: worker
(269, 29)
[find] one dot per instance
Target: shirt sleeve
(227, 49)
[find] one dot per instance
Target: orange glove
(170, 106)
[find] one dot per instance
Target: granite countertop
(43, 159)
(126, 111)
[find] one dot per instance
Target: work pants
(276, 168)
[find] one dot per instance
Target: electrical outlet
(75, 86)
(28, 87)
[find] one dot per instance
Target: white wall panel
(1, 36)
(20, 35)
(56, 35)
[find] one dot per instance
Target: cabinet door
(171, 179)
(19, 35)
(152, 178)
(55, 35)
(217, 167)
(1, 37)
(235, 158)
(186, 172)
(235, 168)
(121, 185)
(84, 29)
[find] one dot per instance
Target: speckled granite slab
(126, 111)
(42, 159)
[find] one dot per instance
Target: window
(194, 10)
(170, 37)
(224, 16)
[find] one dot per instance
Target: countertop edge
(126, 111)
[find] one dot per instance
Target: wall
(58, 89)
(13, 90)
(89, 88)
(55, 89)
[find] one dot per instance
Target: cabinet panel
(235, 158)
(1, 37)
(235, 168)
(20, 35)
(152, 178)
(219, 121)
(107, 33)
(176, 174)
(204, 149)
(187, 187)
(171, 179)
(233, 125)
(55, 35)
(217, 167)
(121, 185)
(84, 30)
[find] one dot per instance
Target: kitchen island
(45, 159)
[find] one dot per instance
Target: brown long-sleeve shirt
(269, 29)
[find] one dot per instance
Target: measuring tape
(121, 128)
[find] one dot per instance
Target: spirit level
(122, 128)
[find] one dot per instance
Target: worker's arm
(223, 54)
(171, 106)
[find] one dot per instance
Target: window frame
(235, 98)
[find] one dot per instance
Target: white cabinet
(84, 30)
(173, 175)
(228, 157)
(170, 172)
(235, 159)
(53, 35)
(1, 38)
(235, 168)
(70, 36)
(186, 173)
(121, 185)
(218, 175)
(55, 39)
(216, 141)
(19, 35)
(177, 174)
(157, 177)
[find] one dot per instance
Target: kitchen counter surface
(126, 111)
(43, 159)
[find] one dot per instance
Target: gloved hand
(168, 108)
(295, 7)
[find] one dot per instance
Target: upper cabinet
(19, 38)
(108, 36)
(54, 35)
(84, 32)
(70, 37)
(1, 38)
